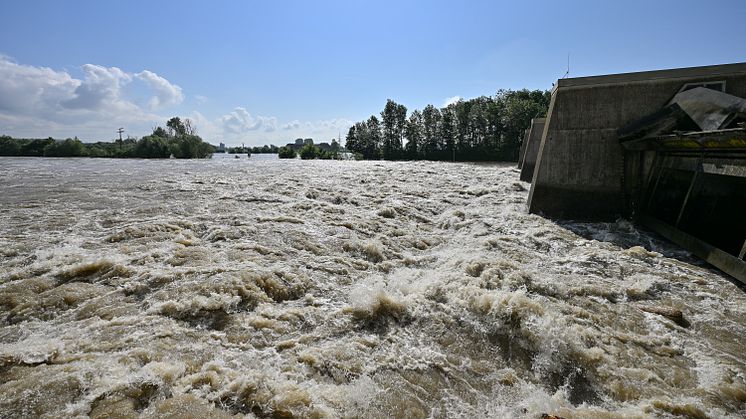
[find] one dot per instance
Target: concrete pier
(579, 172)
(533, 141)
(523, 147)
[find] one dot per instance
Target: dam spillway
(685, 181)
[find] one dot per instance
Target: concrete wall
(533, 142)
(579, 172)
(523, 147)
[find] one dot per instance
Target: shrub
(66, 148)
(286, 153)
(185, 146)
(152, 147)
(309, 151)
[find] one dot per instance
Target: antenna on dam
(567, 73)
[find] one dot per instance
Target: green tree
(430, 134)
(520, 107)
(67, 148)
(372, 139)
(189, 146)
(448, 133)
(175, 126)
(152, 147)
(309, 151)
(482, 145)
(365, 138)
(9, 146)
(35, 148)
(483, 128)
(351, 141)
(393, 121)
(461, 111)
(413, 132)
(286, 153)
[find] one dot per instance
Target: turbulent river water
(270, 288)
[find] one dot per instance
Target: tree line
(178, 139)
(265, 149)
(487, 128)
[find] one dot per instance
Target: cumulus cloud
(240, 121)
(26, 89)
(241, 126)
(40, 101)
(209, 130)
(165, 93)
(330, 125)
(451, 100)
(100, 87)
(295, 124)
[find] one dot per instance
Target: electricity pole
(120, 131)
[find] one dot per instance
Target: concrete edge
(641, 76)
(726, 262)
(540, 153)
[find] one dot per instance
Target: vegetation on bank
(307, 150)
(487, 128)
(179, 139)
(310, 151)
(481, 129)
(265, 149)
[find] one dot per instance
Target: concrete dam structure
(665, 148)
(531, 149)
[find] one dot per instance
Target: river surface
(275, 288)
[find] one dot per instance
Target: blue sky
(268, 72)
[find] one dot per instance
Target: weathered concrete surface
(523, 147)
(532, 148)
(579, 172)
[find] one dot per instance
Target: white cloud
(240, 126)
(28, 90)
(165, 93)
(201, 99)
(41, 102)
(209, 130)
(295, 124)
(451, 100)
(330, 125)
(101, 87)
(240, 121)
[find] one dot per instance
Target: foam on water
(342, 289)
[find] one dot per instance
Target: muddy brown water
(269, 288)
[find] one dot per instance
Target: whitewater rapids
(270, 288)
